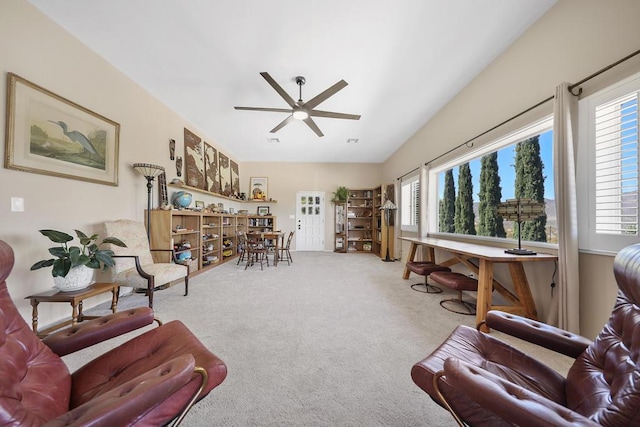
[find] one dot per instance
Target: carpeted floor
(327, 341)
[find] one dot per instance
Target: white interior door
(310, 220)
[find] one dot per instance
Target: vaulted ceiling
(403, 60)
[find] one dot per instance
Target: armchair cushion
(162, 273)
(133, 358)
(492, 355)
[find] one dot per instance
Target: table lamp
(520, 210)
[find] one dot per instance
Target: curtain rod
(411, 171)
(597, 73)
(469, 142)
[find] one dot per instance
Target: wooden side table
(75, 298)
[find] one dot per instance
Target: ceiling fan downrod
(300, 81)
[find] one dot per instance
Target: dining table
(275, 236)
(481, 259)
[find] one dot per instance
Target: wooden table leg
(74, 313)
(410, 257)
(34, 315)
(114, 299)
(521, 285)
(485, 285)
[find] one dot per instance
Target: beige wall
(572, 41)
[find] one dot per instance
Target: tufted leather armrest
(508, 400)
(124, 404)
(90, 332)
(539, 333)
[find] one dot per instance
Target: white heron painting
(51, 135)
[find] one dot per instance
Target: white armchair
(134, 264)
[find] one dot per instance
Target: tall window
(469, 189)
(610, 121)
(410, 204)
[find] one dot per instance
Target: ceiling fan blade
(275, 110)
(282, 124)
(279, 89)
(316, 100)
(309, 121)
(318, 113)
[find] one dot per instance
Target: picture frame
(258, 188)
(263, 210)
(48, 134)
(199, 205)
(194, 160)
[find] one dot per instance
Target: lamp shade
(148, 170)
(388, 206)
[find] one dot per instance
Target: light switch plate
(17, 204)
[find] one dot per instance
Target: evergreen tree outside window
(448, 204)
(530, 185)
(489, 222)
(464, 216)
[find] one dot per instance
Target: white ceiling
(403, 60)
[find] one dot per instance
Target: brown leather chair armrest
(539, 333)
(508, 400)
(124, 404)
(90, 332)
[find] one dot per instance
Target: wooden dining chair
(284, 249)
(256, 250)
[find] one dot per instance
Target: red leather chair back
(604, 382)
(34, 383)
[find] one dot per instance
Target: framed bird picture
(50, 135)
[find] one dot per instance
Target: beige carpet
(327, 341)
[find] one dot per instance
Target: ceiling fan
(303, 110)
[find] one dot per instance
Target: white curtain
(566, 299)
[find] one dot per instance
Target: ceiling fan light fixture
(300, 114)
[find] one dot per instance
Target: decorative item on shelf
(366, 246)
(259, 188)
(149, 171)
(172, 149)
(387, 207)
(243, 196)
(352, 247)
(263, 210)
(179, 166)
(73, 268)
(243, 212)
(199, 205)
(182, 199)
(340, 195)
(519, 210)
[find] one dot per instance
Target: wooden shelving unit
(360, 217)
(340, 227)
(202, 240)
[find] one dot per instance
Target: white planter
(77, 278)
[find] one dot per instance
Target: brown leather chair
(484, 381)
(149, 381)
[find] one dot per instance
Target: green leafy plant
(340, 195)
(68, 257)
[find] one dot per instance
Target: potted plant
(340, 195)
(73, 265)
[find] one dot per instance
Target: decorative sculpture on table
(520, 210)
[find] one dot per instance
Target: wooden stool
(458, 282)
(425, 268)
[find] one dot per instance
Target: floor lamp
(387, 207)
(149, 172)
